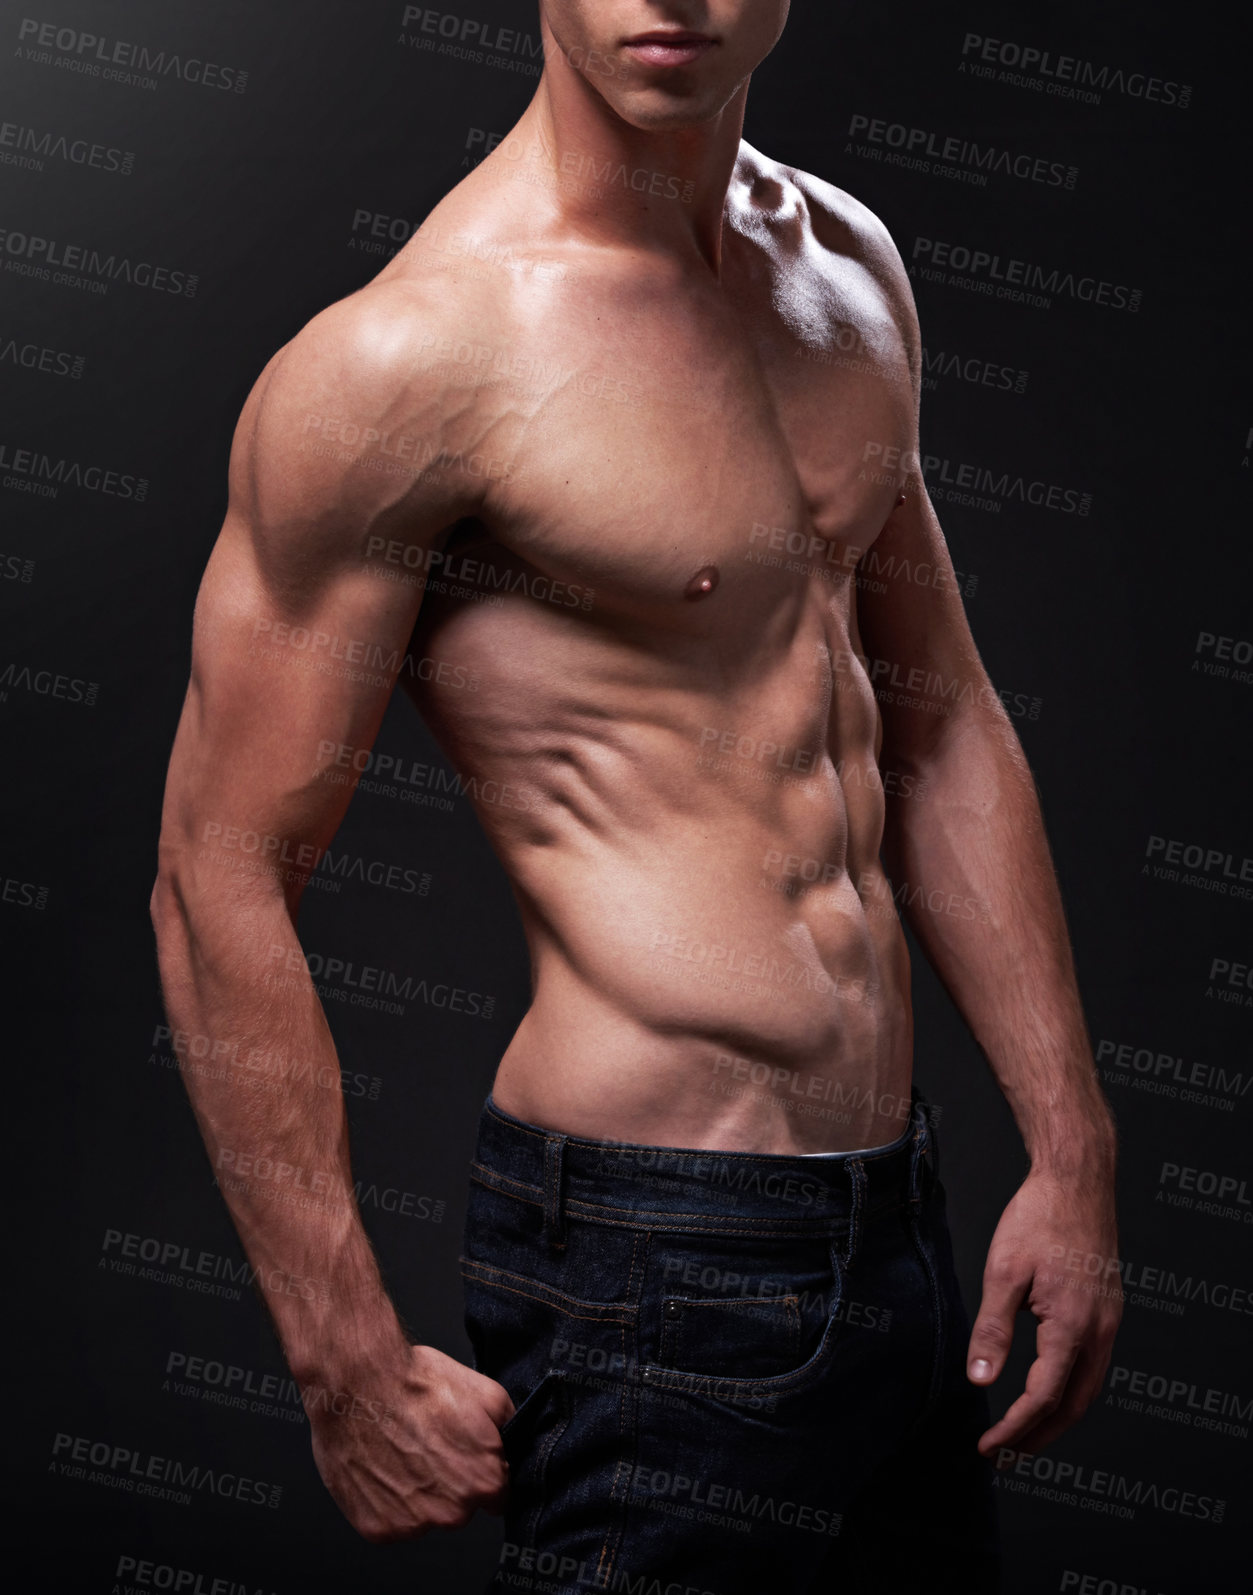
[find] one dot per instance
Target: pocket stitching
(552, 1379)
(605, 1313)
(657, 1377)
(548, 1374)
(668, 1354)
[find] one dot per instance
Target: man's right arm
(247, 814)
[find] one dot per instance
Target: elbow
(933, 743)
(165, 905)
(156, 900)
(191, 900)
(914, 752)
(174, 886)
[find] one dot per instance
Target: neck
(665, 188)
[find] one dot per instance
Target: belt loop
(933, 1140)
(925, 1153)
(917, 1153)
(857, 1207)
(554, 1221)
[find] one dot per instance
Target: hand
(1056, 1247)
(417, 1447)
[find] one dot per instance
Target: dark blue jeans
(733, 1372)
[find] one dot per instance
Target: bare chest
(683, 459)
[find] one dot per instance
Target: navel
(703, 583)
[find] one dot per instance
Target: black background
(1099, 617)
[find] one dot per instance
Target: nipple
(900, 499)
(703, 583)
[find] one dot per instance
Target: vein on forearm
(978, 837)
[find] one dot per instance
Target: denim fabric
(732, 1372)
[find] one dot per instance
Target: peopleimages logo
(166, 1478)
(1179, 1400)
(171, 1263)
(467, 39)
(40, 357)
(117, 61)
(1100, 1489)
(1002, 485)
(919, 148)
(142, 1573)
(1210, 1084)
(973, 369)
(1066, 75)
(81, 266)
(1010, 278)
(29, 471)
(371, 987)
(33, 146)
(466, 30)
(47, 684)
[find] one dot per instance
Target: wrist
(348, 1349)
(1081, 1145)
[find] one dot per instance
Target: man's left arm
(969, 847)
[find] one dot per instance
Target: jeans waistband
(623, 1183)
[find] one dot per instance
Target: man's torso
(672, 742)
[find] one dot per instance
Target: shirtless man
(623, 431)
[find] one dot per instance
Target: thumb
(993, 1331)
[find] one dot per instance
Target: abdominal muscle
(716, 957)
(690, 1003)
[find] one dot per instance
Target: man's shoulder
(844, 221)
(350, 410)
(840, 224)
(377, 339)
(844, 224)
(464, 278)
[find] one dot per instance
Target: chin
(651, 111)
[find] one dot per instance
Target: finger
(993, 1331)
(1068, 1411)
(1086, 1378)
(498, 1404)
(1057, 1348)
(496, 1504)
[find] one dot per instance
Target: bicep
(298, 637)
(919, 651)
(285, 686)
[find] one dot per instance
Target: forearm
(972, 871)
(259, 1064)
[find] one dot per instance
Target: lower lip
(654, 54)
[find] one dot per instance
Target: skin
(619, 378)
